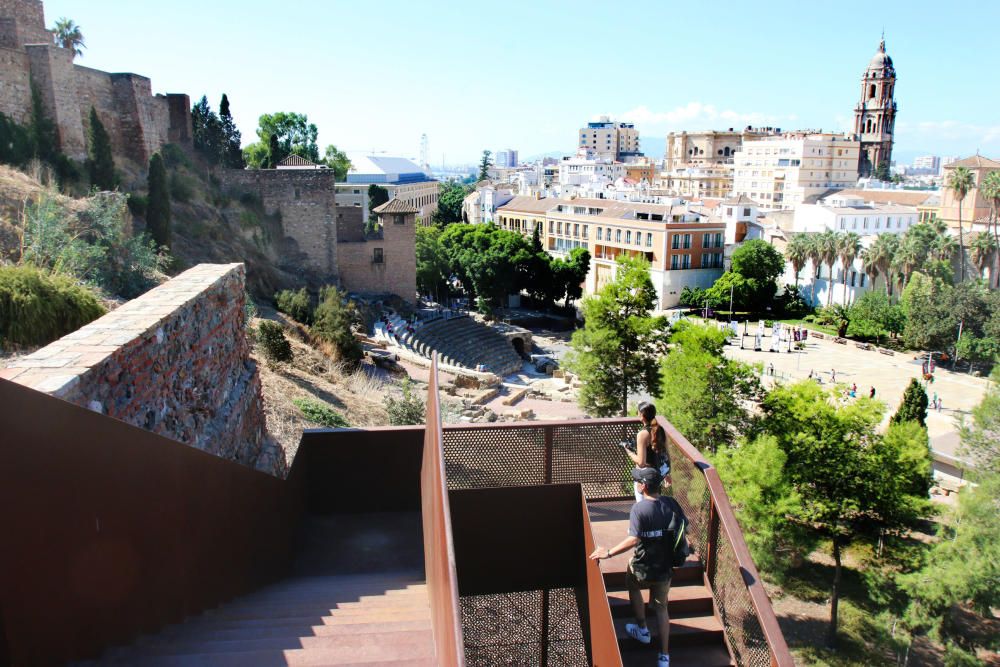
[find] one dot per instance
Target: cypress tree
(100, 163)
(43, 130)
(158, 208)
(232, 154)
(274, 152)
(914, 405)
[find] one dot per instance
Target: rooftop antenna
(424, 160)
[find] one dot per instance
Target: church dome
(881, 59)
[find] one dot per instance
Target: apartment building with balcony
(610, 140)
(782, 171)
(683, 247)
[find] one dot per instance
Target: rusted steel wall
(599, 629)
(360, 470)
(111, 531)
(439, 548)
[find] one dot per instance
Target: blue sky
(375, 75)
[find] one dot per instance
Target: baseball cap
(649, 476)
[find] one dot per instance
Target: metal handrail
(602, 641)
(721, 511)
(439, 548)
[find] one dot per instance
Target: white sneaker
(664, 660)
(641, 635)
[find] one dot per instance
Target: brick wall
(396, 274)
(174, 361)
(305, 201)
(15, 85)
(53, 73)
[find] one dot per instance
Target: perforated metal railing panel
(688, 487)
(589, 454)
(483, 457)
(735, 608)
(523, 628)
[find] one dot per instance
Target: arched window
(726, 151)
(871, 91)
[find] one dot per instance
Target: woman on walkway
(650, 445)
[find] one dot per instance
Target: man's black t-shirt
(650, 521)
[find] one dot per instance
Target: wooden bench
(840, 341)
(816, 334)
(863, 346)
(885, 351)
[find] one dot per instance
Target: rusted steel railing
(439, 549)
(585, 452)
(603, 643)
(751, 628)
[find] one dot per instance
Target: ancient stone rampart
(304, 199)
(137, 121)
(175, 361)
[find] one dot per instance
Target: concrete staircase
(696, 634)
(463, 342)
(373, 611)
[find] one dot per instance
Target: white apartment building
(581, 170)
(845, 212)
(780, 172)
(480, 205)
(927, 164)
(506, 157)
(610, 140)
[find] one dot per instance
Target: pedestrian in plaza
(770, 369)
(934, 401)
(939, 402)
(650, 445)
(871, 394)
(810, 374)
(833, 375)
(854, 388)
(657, 530)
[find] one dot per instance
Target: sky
(375, 76)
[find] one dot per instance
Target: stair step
(642, 655)
(681, 600)
(306, 621)
(684, 631)
(291, 658)
(187, 631)
(408, 643)
(323, 608)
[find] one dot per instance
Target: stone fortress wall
(137, 121)
(175, 361)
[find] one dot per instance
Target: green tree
(337, 160)
(930, 322)
(753, 279)
(797, 254)
(283, 133)
(828, 243)
(158, 206)
(333, 322)
(914, 405)
(766, 503)
(484, 166)
(450, 200)
(377, 195)
(882, 171)
(295, 304)
(982, 249)
(617, 351)
(100, 163)
(272, 342)
(43, 130)
(16, 145)
(872, 316)
(568, 275)
(814, 250)
(231, 153)
(704, 394)
(408, 410)
(980, 439)
(877, 259)
(848, 248)
(207, 133)
(432, 262)
(960, 181)
(68, 35)
(490, 262)
(990, 189)
(852, 481)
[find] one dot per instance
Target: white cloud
(694, 116)
(952, 132)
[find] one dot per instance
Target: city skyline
(476, 80)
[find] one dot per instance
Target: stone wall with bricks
(175, 361)
(304, 200)
(386, 265)
(138, 122)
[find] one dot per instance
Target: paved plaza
(889, 375)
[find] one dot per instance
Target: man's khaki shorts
(658, 590)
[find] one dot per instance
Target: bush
(174, 156)
(320, 413)
(405, 411)
(137, 205)
(181, 187)
(37, 307)
(297, 305)
(333, 321)
(272, 342)
(16, 145)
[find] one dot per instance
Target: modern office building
(403, 178)
(610, 140)
(506, 157)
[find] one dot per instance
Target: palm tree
(943, 247)
(848, 248)
(67, 34)
(815, 254)
(829, 244)
(961, 181)
(990, 188)
(797, 253)
(982, 249)
(878, 259)
(905, 261)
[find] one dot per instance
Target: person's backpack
(678, 534)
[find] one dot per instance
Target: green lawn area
(811, 325)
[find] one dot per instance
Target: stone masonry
(175, 361)
(137, 121)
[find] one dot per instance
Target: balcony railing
(586, 452)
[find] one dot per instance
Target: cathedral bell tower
(875, 114)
